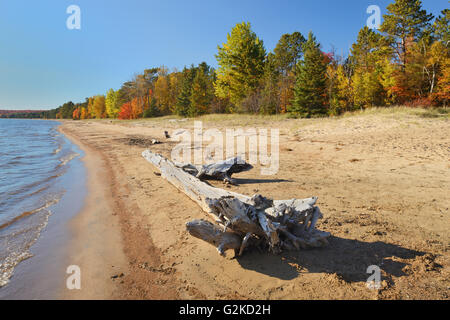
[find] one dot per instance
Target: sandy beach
(382, 180)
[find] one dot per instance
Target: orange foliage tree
(137, 107)
(83, 113)
(76, 114)
(126, 111)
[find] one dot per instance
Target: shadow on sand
(254, 181)
(347, 258)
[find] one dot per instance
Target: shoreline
(95, 244)
(104, 244)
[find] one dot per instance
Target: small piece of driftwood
(243, 221)
(222, 170)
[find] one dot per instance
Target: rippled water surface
(34, 157)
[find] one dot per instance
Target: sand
(383, 185)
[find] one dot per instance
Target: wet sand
(97, 245)
(382, 183)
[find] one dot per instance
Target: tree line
(405, 62)
(20, 114)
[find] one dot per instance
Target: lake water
(40, 174)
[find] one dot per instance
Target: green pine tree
(184, 98)
(310, 91)
(270, 87)
(405, 22)
(152, 110)
(441, 27)
(201, 91)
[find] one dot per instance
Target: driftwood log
(222, 170)
(244, 221)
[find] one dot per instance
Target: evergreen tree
(369, 49)
(152, 110)
(201, 91)
(184, 98)
(288, 52)
(406, 21)
(441, 27)
(66, 110)
(310, 91)
(270, 102)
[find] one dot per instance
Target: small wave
(27, 187)
(57, 150)
(15, 256)
(28, 213)
(19, 241)
(7, 267)
(65, 160)
(44, 188)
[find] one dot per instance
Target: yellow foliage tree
(98, 107)
(162, 92)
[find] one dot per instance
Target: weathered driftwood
(214, 235)
(245, 221)
(222, 170)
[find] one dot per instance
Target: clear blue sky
(43, 64)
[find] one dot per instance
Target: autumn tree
(344, 95)
(112, 103)
(367, 55)
(338, 85)
(442, 93)
(126, 111)
(90, 107)
(76, 114)
(83, 113)
(140, 84)
(282, 68)
(98, 107)
(137, 107)
(241, 64)
(441, 53)
(175, 81)
(162, 91)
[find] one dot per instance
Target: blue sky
(43, 64)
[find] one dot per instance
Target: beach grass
(257, 120)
